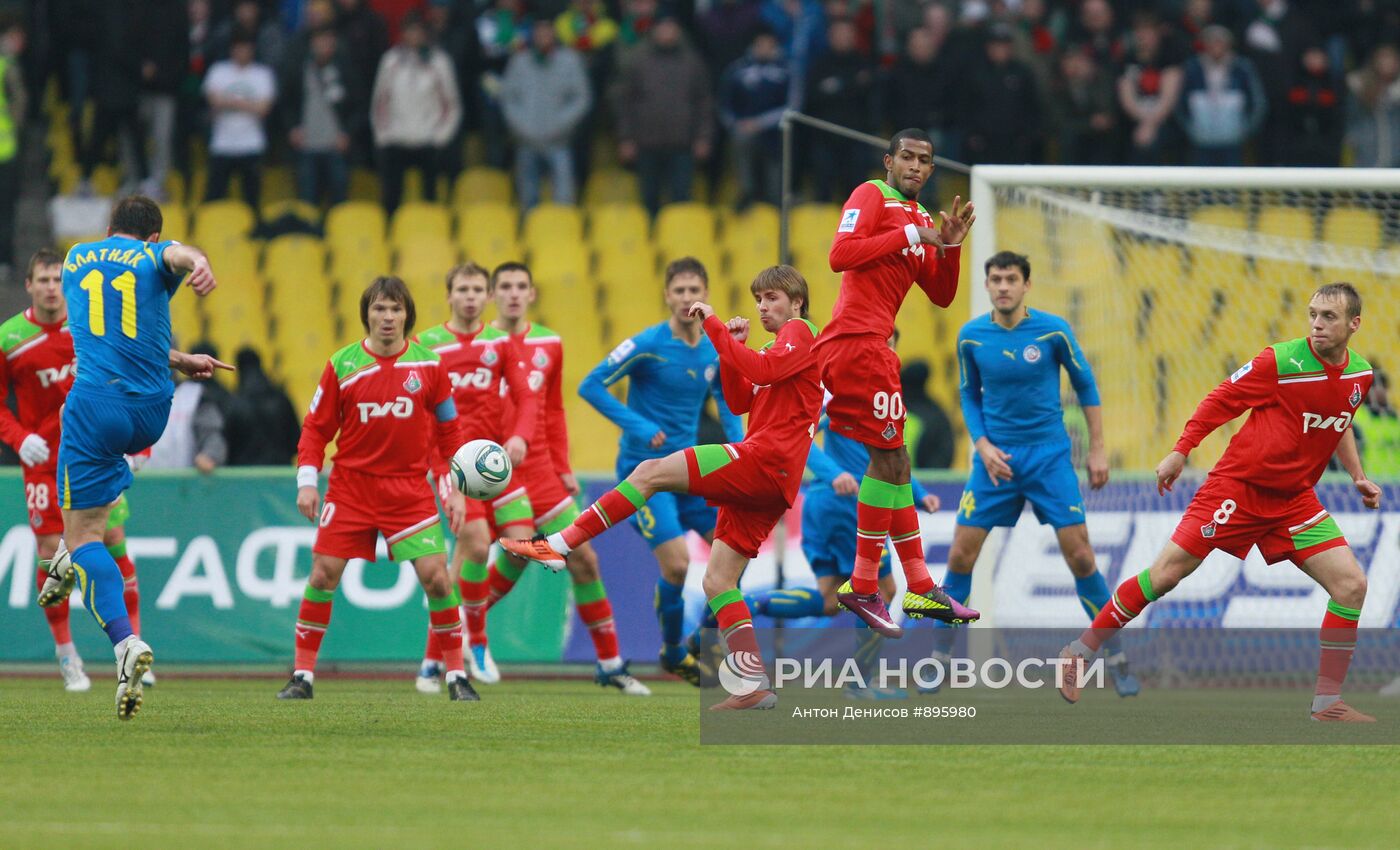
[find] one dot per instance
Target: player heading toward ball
(753, 482)
(390, 401)
(886, 241)
(1301, 396)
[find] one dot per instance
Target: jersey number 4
(94, 284)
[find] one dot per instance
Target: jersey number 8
(125, 285)
(888, 406)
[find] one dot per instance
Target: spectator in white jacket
(415, 110)
(545, 94)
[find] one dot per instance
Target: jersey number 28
(94, 284)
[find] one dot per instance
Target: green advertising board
(222, 561)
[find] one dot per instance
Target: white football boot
(59, 577)
(482, 666)
(75, 681)
(134, 659)
(428, 680)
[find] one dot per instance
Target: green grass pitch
(544, 764)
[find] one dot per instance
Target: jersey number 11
(125, 285)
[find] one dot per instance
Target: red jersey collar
(1328, 367)
(364, 343)
(58, 325)
(461, 337)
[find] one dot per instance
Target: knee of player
(1350, 589)
(325, 573)
(437, 584)
(1081, 561)
(644, 476)
(714, 585)
(583, 563)
(674, 569)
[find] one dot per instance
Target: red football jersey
(878, 252)
(1299, 406)
(778, 387)
(39, 365)
(484, 367)
(386, 411)
(541, 351)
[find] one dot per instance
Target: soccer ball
(481, 470)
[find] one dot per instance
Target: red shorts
(749, 501)
(1233, 516)
(867, 403)
(360, 507)
(547, 495)
(41, 500)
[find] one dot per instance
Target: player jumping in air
(38, 364)
(1010, 361)
(118, 293)
(1301, 395)
(484, 366)
(390, 401)
(671, 368)
(753, 483)
(549, 482)
(885, 241)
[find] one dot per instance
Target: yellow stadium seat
(364, 185)
(175, 222)
(1217, 270)
(1353, 226)
(753, 232)
(293, 257)
(187, 316)
(423, 264)
(487, 233)
(304, 345)
(627, 274)
(686, 229)
(415, 223)
(1023, 229)
(629, 312)
(607, 186)
(822, 284)
(239, 316)
(1289, 222)
(746, 262)
(565, 284)
(220, 222)
(1221, 215)
(482, 186)
(106, 179)
(619, 229)
(278, 183)
(811, 227)
(291, 298)
(233, 261)
(291, 206)
(549, 225)
(357, 264)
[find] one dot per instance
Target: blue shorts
(1044, 476)
(829, 533)
(98, 432)
(667, 516)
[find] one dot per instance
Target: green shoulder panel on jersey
(811, 326)
(1356, 363)
(1295, 359)
(436, 335)
(351, 359)
(892, 193)
(491, 333)
(16, 331)
(417, 352)
(538, 333)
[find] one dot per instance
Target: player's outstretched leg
(1093, 595)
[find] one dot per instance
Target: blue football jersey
(669, 381)
(1010, 384)
(118, 292)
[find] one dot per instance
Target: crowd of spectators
(699, 87)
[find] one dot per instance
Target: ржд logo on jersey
(399, 408)
(1315, 422)
(49, 377)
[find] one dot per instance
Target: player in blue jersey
(672, 368)
(1010, 361)
(118, 291)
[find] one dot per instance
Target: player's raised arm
(192, 262)
(790, 352)
(938, 273)
(317, 430)
(613, 368)
(859, 238)
(1253, 385)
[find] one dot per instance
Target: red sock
(501, 580)
(57, 615)
(736, 625)
(447, 627)
(872, 524)
(596, 612)
(130, 592)
(615, 506)
(909, 546)
(432, 651)
(312, 620)
(474, 594)
(1128, 601)
(1338, 638)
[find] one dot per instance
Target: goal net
(1174, 277)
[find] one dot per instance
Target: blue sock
(792, 604)
(958, 586)
(670, 611)
(1093, 595)
(100, 580)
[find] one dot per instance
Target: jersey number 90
(93, 283)
(888, 405)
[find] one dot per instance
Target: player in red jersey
(484, 366)
(885, 242)
(753, 483)
(390, 401)
(39, 365)
(549, 481)
(1301, 396)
